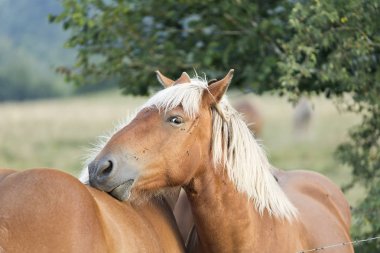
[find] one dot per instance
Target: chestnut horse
(250, 115)
(43, 210)
(189, 135)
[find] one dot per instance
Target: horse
(250, 115)
(189, 135)
(45, 210)
(303, 114)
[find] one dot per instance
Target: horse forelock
(187, 95)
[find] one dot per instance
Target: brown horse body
(46, 210)
(188, 135)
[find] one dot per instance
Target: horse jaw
(123, 191)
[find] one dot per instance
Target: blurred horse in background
(43, 210)
(303, 113)
(250, 114)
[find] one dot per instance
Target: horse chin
(131, 191)
(139, 196)
(123, 191)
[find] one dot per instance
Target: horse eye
(175, 120)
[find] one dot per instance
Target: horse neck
(225, 220)
(223, 217)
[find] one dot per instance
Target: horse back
(46, 210)
(151, 226)
(5, 172)
(323, 209)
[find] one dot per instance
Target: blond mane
(233, 146)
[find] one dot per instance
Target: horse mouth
(123, 191)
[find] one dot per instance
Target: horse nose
(100, 171)
(105, 168)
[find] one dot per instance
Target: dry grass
(56, 133)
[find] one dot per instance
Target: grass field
(56, 133)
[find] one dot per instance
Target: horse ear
(218, 88)
(212, 81)
(184, 78)
(165, 81)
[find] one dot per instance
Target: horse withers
(189, 135)
(44, 210)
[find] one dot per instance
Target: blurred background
(306, 74)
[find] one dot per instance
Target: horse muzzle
(101, 174)
(105, 175)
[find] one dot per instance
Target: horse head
(165, 145)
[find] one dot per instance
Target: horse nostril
(101, 172)
(105, 168)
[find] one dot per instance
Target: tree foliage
(295, 47)
(335, 49)
(131, 39)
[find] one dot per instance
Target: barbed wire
(340, 245)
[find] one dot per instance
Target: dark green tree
(131, 39)
(335, 50)
(294, 47)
